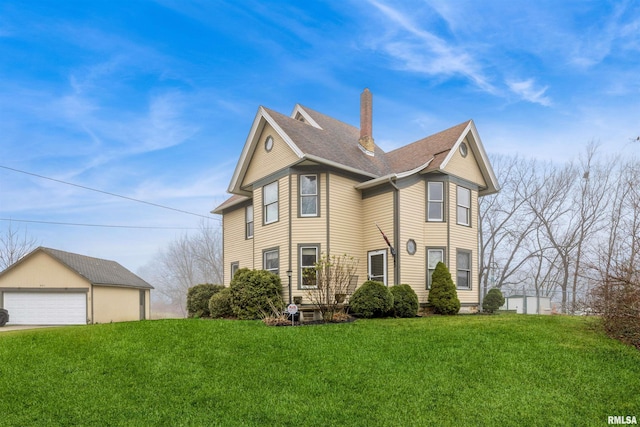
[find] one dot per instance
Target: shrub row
(374, 299)
(252, 294)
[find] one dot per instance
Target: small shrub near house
(253, 292)
(443, 297)
(220, 304)
(405, 301)
(492, 301)
(372, 299)
(198, 299)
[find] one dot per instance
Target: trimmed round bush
(492, 301)
(220, 304)
(443, 296)
(405, 301)
(253, 292)
(198, 298)
(372, 299)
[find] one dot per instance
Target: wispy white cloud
(419, 50)
(527, 90)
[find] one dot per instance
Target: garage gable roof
(97, 271)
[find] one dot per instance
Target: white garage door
(46, 308)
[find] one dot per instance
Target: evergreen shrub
(198, 298)
(372, 299)
(405, 301)
(442, 295)
(220, 304)
(492, 301)
(253, 292)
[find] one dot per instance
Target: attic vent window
(268, 144)
(463, 149)
(300, 118)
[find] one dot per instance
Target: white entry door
(378, 266)
(46, 308)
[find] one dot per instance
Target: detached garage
(53, 287)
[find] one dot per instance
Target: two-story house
(308, 184)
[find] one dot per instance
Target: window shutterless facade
(270, 202)
(463, 267)
(271, 260)
(234, 267)
(308, 195)
(434, 256)
(249, 222)
(308, 259)
(464, 206)
(435, 201)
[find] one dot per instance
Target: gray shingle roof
(98, 271)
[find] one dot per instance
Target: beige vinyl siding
(42, 271)
(346, 222)
(236, 246)
(378, 209)
(465, 238)
(116, 304)
(412, 220)
(275, 234)
(264, 163)
(466, 167)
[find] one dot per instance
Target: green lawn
(462, 370)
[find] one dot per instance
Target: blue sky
(154, 100)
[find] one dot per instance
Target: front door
(378, 266)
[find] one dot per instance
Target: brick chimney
(366, 112)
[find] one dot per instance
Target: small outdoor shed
(524, 304)
(53, 287)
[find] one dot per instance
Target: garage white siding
(46, 308)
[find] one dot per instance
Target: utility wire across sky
(107, 193)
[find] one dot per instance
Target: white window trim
(382, 252)
(430, 200)
(467, 218)
(303, 267)
(314, 195)
(265, 205)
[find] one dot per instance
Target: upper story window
(270, 201)
(435, 201)
(464, 206)
(308, 195)
(249, 221)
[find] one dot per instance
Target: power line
(105, 192)
(97, 225)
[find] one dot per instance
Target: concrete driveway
(8, 328)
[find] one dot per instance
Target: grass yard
(462, 370)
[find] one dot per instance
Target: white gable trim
(250, 144)
(299, 110)
(476, 146)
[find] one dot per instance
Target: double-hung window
(464, 206)
(270, 201)
(271, 260)
(308, 259)
(463, 263)
(434, 256)
(249, 221)
(308, 195)
(435, 201)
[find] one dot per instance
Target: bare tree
(15, 244)
(185, 262)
